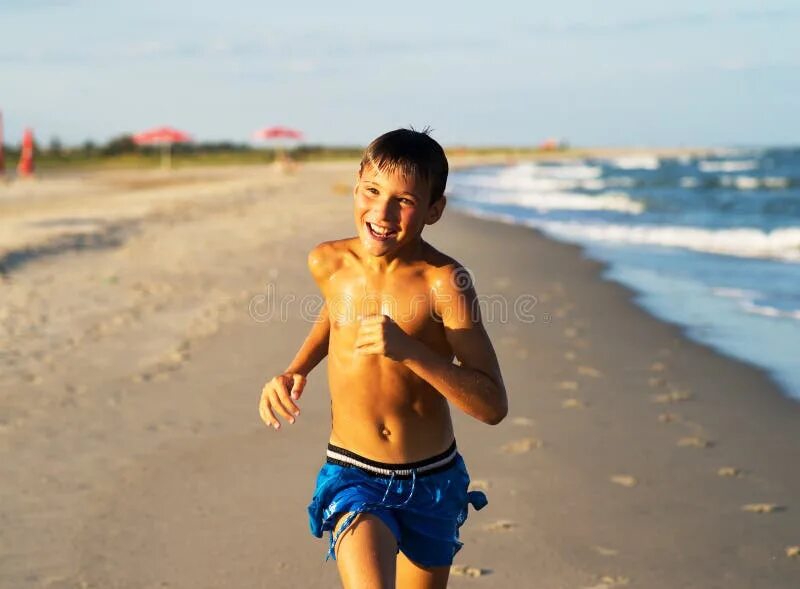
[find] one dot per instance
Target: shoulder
(446, 275)
(327, 257)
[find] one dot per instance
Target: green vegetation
(121, 152)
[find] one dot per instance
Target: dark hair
(410, 153)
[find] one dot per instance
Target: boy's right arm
(279, 395)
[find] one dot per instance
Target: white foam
(779, 244)
(689, 182)
(727, 165)
(767, 311)
(528, 183)
(753, 183)
(550, 201)
(636, 162)
(735, 293)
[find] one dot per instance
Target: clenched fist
(379, 334)
(279, 396)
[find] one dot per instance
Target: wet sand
(136, 335)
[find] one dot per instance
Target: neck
(390, 262)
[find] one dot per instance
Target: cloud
(17, 6)
(667, 21)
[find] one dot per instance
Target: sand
(136, 334)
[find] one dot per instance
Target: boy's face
(391, 210)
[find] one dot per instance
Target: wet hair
(411, 153)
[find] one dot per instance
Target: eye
(372, 190)
(407, 201)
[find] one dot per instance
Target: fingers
(266, 413)
(277, 400)
(374, 320)
(281, 401)
(298, 384)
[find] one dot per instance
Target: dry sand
(134, 343)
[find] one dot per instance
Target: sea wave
(636, 162)
(712, 166)
(778, 244)
(549, 201)
(528, 183)
(768, 311)
(754, 183)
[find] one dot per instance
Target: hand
(279, 396)
(379, 334)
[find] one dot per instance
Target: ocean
(710, 243)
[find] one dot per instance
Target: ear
(435, 210)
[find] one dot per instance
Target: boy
(393, 491)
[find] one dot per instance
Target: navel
(384, 431)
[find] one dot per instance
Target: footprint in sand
(624, 480)
(675, 396)
(658, 367)
(668, 417)
(763, 507)
(573, 404)
(609, 581)
(508, 340)
(568, 385)
(589, 371)
(728, 471)
(522, 421)
(695, 442)
(581, 343)
(522, 353)
(656, 381)
(603, 551)
(521, 446)
(463, 570)
(793, 551)
(571, 332)
(501, 525)
(571, 356)
(479, 485)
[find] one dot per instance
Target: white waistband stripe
(388, 471)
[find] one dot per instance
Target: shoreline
(633, 295)
(136, 457)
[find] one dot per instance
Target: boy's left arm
(475, 385)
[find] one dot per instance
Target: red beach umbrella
(25, 165)
(2, 154)
(278, 132)
(165, 137)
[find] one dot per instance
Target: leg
(414, 576)
(365, 553)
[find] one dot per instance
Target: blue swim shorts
(423, 503)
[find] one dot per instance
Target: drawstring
(367, 506)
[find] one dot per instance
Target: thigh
(416, 576)
(365, 552)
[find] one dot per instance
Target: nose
(387, 209)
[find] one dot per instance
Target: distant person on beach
(393, 492)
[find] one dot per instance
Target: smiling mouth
(380, 233)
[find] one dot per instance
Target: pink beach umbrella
(278, 133)
(2, 155)
(165, 137)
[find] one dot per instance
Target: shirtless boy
(397, 312)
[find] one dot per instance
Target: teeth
(379, 230)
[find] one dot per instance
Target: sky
(619, 73)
